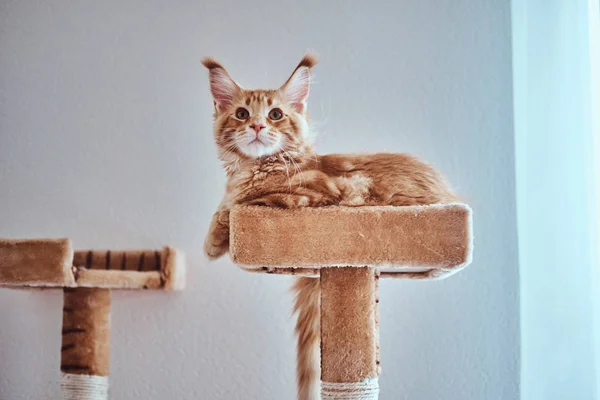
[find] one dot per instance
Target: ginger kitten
(264, 140)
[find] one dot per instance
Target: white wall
(105, 137)
(557, 217)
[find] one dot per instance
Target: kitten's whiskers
(298, 169)
(287, 172)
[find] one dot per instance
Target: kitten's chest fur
(346, 180)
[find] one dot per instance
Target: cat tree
(86, 277)
(349, 249)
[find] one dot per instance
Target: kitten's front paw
(213, 250)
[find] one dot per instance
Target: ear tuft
(309, 60)
(211, 63)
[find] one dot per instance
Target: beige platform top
(417, 242)
(54, 263)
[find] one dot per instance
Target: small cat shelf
(349, 249)
(86, 278)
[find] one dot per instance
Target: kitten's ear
(296, 88)
(222, 87)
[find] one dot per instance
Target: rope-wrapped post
(85, 351)
(349, 334)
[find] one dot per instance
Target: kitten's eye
(242, 113)
(275, 114)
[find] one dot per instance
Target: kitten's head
(255, 123)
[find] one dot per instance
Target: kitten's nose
(257, 127)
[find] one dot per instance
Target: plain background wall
(105, 137)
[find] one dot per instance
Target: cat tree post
(349, 304)
(85, 350)
(348, 249)
(86, 278)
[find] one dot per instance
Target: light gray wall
(105, 138)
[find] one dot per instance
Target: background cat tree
(349, 249)
(86, 278)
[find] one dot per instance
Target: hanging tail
(308, 332)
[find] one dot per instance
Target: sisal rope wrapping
(84, 387)
(366, 390)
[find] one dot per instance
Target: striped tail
(308, 331)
